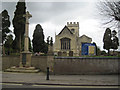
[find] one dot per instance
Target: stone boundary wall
(80, 65)
(9, 61)
(68, 65)
(39, 62)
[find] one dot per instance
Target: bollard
(47, 73)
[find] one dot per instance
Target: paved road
(38, 80)
(11, 85)
(60, 79)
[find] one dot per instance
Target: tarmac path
(38, 80)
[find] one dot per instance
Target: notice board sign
(88, 49)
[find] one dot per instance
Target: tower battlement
(74, 27)
(73, 24)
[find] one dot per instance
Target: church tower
(74, 27)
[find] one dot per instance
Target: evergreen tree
(8, 44)
(48, 40)
(115, 41)
(96, 48)
(30, 47)
(19, 25)
(5, 27)
(51, 41)
(39, 44)
(45, 49)
(107, 40)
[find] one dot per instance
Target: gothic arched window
(65, 44)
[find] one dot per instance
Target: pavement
(63, 80)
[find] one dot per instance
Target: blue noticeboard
(86, 47)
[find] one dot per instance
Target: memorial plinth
(25, 59)
(22, 69)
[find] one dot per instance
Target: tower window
(65, 44)
(72, 30)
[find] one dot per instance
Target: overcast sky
(53, 16)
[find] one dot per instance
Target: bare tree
(110, 10)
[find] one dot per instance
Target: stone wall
(39, 62)
(76, 65)
(9, 61)
(68, 65)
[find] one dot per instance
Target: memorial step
(23, 69)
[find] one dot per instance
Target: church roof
(85, 36)
(64, 29)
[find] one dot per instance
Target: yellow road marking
(19, 81)
(77, 86)
(10, 84)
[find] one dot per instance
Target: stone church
(68, 42)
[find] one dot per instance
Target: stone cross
(26, 42)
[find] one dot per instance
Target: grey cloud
(53, 11)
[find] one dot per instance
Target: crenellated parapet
(73, 24)
(74, 27)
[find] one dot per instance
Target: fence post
(47, 73)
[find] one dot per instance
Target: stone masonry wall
(76, 65)
(68, 65)
(9, 61)
(39, 62)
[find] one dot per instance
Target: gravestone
(64, 53)
(70, 53)
(59, 53)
